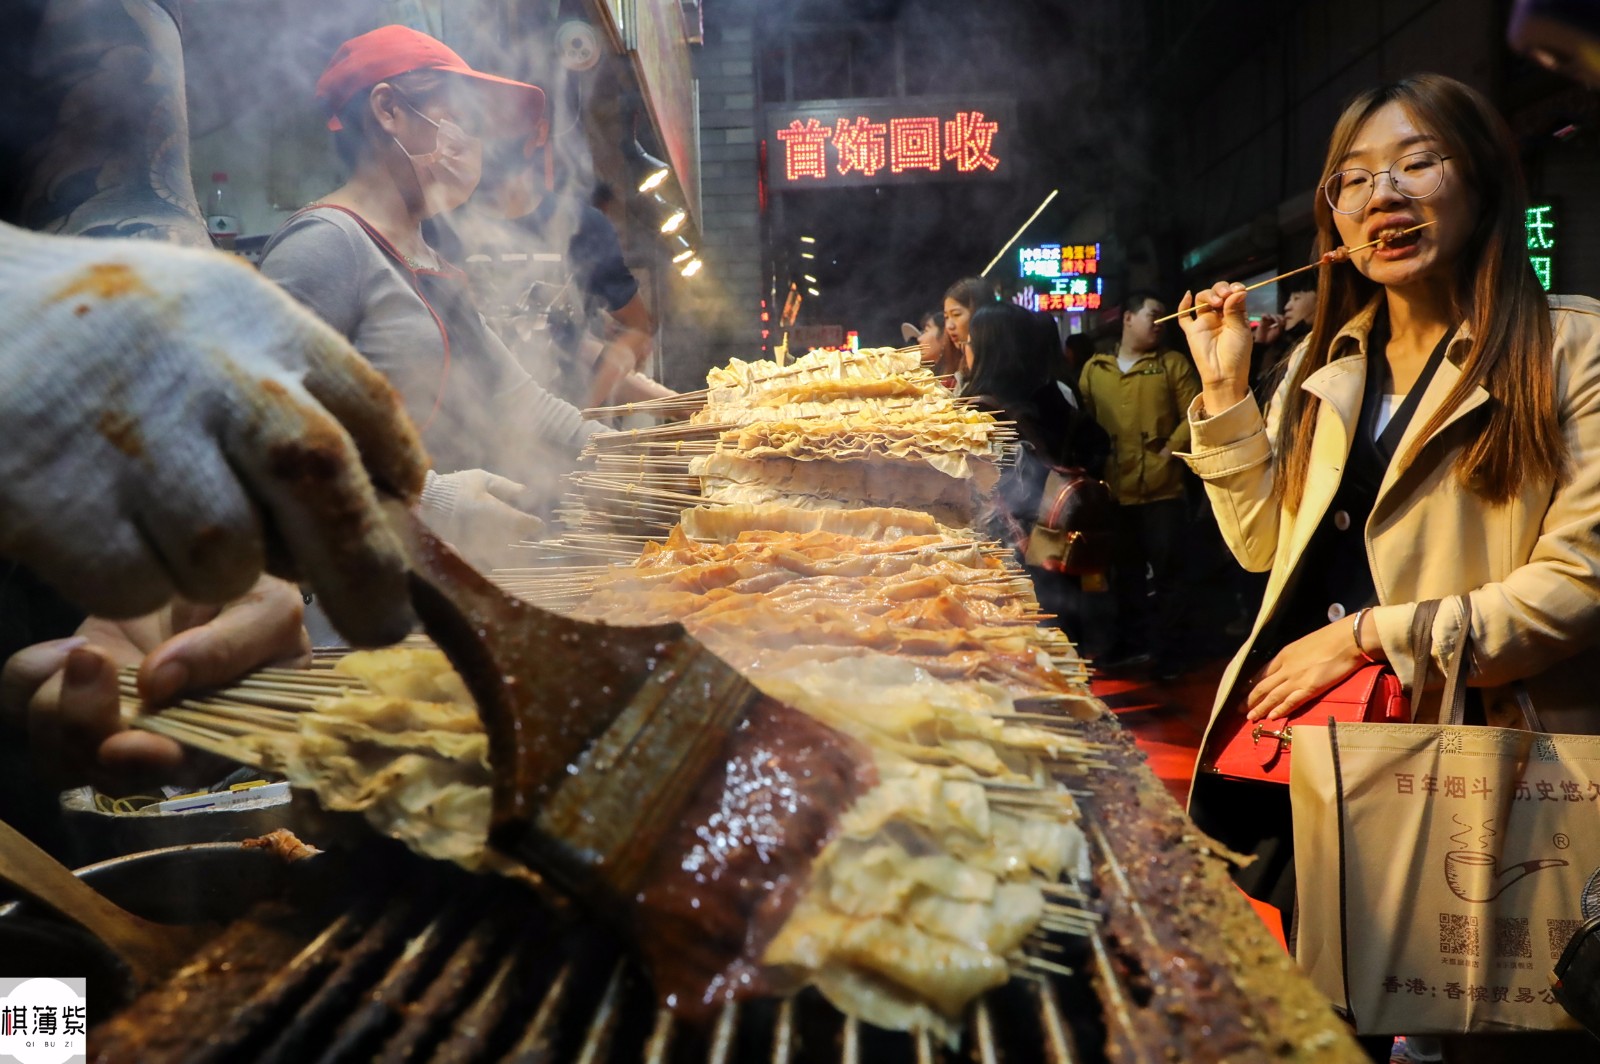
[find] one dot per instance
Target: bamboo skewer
(1198, 307)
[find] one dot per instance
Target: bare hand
(1303, 670)
(1220, 343)
(1268, 329)
(68, 691)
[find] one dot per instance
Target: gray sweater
(485, 412)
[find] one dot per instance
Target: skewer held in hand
(1327, 259)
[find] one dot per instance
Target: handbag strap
(1421, 653)
(1453, 703)
(1530, 716)
(1453, 710)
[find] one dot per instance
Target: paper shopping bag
(1442, 870)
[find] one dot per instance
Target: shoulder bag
(1442, 867)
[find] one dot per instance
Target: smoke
(252, 70)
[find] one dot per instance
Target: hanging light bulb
(684, 255)
(692, 267)
(813, 291)
(810, 278)
(652, 171)
(675, 220)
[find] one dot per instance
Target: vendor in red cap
(408, 117)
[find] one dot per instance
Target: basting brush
(638, 771)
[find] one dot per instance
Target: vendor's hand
(478, 513)
(66, 693)
(1220, 343)
(1268, 329)
(612, 365)
(1303, 670)
(175, 423)
(637, 388)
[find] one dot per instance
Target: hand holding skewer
(1339, 254)
(1220, 343)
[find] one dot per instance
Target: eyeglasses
(1415, 176)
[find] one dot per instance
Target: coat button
(1336, 612)
(1341, 520)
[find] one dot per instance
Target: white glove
(476, 512)
(170, 422)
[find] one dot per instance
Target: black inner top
(1335, 568)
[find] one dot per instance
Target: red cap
(389, 51)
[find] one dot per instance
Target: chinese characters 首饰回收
(900, 145)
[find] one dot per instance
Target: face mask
(450, 172)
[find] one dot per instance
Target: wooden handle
(50, 883)
(546, 686)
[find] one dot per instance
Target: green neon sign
(1541, 226)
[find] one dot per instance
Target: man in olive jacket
(1140, 394)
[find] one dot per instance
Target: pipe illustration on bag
(1476, 876)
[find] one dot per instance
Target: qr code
(1561, 932)
(1512, 937)
(1458, 934)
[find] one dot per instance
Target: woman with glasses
(1436, 435)
(409, 117)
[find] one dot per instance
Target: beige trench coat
(1531, 566)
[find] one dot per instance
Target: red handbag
(1259, 750)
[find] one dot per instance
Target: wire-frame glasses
(1414, 176)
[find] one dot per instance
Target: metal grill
(447, 974)
(448, 967)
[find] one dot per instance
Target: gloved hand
(173, 423)
(477, 513)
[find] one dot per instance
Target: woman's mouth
(1396, 243)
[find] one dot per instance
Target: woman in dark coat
(1010, 359)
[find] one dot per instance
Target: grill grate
(447, 967)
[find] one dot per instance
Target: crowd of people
(1114, 404)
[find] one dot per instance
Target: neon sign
(1050, 261)
(1065, 295)
(874, 142)
(1541, 225)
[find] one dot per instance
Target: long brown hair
(1495, 291)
